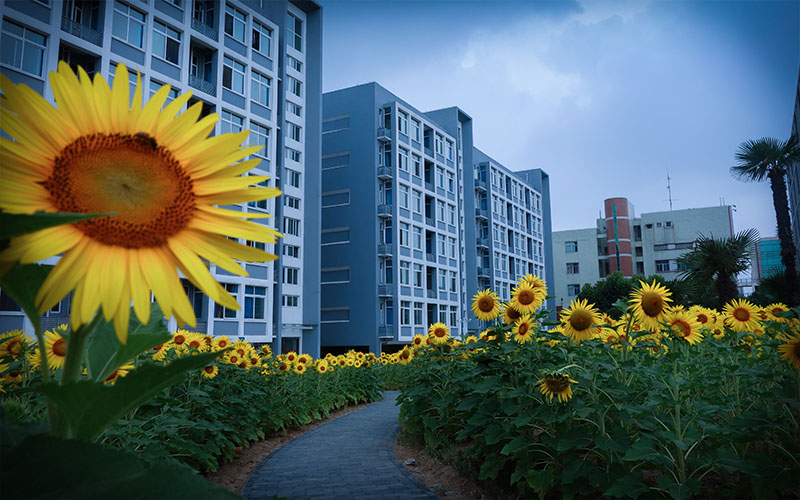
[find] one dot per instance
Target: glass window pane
(32, 60)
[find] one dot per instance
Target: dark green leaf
(90, 407)
(514, 446)
(22, 283)
(76, 469)
(12, 225)
(106, 354)
(630, 485)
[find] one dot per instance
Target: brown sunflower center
(513, 313)
(222, 344)
(209, 369)
(486, 304)
(523, 329)
(127, 174)
(580, 320)
(681, 327)
(179, 339)
(194, 344)
(702, 318)
(741, 314)
(796, 350)
(556, 383)
(525, 297)
(652, 304)
(60, 348)
(440, 332)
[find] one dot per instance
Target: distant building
(646, 245)
(793, 175)
(256, 64)
(766, 259)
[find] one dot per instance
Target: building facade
(646, 245)
(793, 175)
(258, 66)
(766, 260)
(406, 228)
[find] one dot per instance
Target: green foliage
(612, 288)
(718, 419)
(21, 283)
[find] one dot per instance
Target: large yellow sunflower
(438, 333)
(649, 304)
(581, 321)
(485, 305)
(523, 329)
(55, 348)
(740, 315)
(790, 349)
(777, 307)
(556, 384)
(510, 314)
(683, 325)
(162, 175)
(527, 297)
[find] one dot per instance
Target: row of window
(418, 134)
(506, 184)
(417, 276)
(411, 236)
(254, 299)
(418, 317)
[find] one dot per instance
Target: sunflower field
(664, 402)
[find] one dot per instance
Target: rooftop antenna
(669, 190)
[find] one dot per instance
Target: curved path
(350, 458)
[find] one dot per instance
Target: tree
(614, 287)
(719, 260)
(768, 158)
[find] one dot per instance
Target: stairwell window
(294, 32)
(573, 268)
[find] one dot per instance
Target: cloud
(597, 11)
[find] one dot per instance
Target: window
(128, 24)
(293, 154)
(416, 237)
(639, 252)
(403, 196)
(291, 275)
(417, 275)
(662, 266)
(222, 312)
(570, 246)
(259, 136)
(439, 145)
(235, 22)
(668, 223)
(230, 123)
(290, 300)
(405, 312)
(405, 273)
(294, 109)
(262, 204)
(166, 42)
(442, 282)
(259, 88)
(294, 32)
(403, 160)
(291, 226)
(402, 123)
(156, 86)
(22, 48)
(658, 224)
(453, 281)
(291, 202)
(451, 182)
(451, 215)
(293, 178)
(440, 177)
(256, 244)
(418, 313)
(404, 234)
(417, 166)
(573, 290)
(233, 75)
(572, 268)
(449, 150)
(441, 206)
(415, 126)
(291, 251)
(416, 201)
(262, 39)
(295, 64)
(453, 316)
(648, 226)
(295, 86)
(442, 245)
(451, 248)
(254, 297)
(294, 131)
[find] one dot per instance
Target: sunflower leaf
(90, 407)
(22, 283)
(105, 352)
(12, 225)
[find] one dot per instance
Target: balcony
(482, 242)
(386, 332)
(384, 134)
(204, 29)
(81, 31)
(430, 257)
(482, 213)
(385, 173)
(384, 290)
(481, 185)
(483, 272)
(384, 250)
(384, 211)
(202, 85)
(431, 294)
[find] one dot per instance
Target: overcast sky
(604, 96)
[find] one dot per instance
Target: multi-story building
(645, 245)
(766, 259)
(793, 175)
(257, 65)
(403, 220)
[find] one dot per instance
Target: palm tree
(768, 158)
(719, 261)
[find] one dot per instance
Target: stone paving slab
(350, 458)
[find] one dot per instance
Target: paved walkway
(349, 458)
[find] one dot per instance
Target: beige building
(647, 244)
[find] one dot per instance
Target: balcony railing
(384, 290)
(482, 213)
(384, 134)
(385, 173)
(481, 184)
(483, 272)
(384, 210)
(431, 294)
(482, 242)
(384, 250)
(81, 31)
(385, 332)
(202, 85)
(203, 28)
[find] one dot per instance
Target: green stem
(73, 360)
(676, 419)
